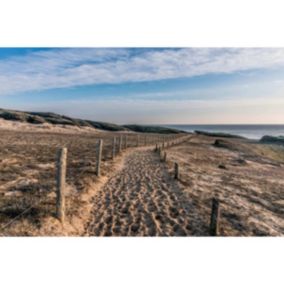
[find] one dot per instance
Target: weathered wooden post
(214, 221)
(161, 155)
(156, 148)
(99, 157)
(165, 156)
(176, 171)
(125, 142)
(120, 144)
(60, 183)
(113, 148)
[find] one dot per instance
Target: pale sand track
(140, 200)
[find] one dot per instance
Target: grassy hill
(57, 119)
(272, 140)
(217, 134)
(151, 129)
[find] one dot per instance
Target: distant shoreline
(251, 131)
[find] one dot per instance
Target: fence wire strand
(45, 199)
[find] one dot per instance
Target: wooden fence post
(99, 156)
(120, 144)
(161, 155)
(125, 141)
(113, 147)
(60, 183)
(214, 221)
(165, 156)
(176, 171)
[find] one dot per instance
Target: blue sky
(180, 85)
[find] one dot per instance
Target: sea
(247, 131)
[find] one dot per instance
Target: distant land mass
(218, 134)
(272, 140)
(57, 119)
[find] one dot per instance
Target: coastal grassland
(246, 176)
(27, 166)
(273, 152)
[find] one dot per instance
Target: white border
(141, 260)
(147, 23)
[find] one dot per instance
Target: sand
(248, 182)
(143, 199)
(137, 194)
(140, 200)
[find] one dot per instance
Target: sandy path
(140, 200)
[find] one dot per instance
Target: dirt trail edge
(142, 199)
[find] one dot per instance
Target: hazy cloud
(59, 68)
(262, 110)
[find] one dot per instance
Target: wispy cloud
(59, 68)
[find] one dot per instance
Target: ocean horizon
(251, 131)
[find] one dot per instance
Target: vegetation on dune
(272, 140)
(218, 134)
(245, 176)
(106, 126)
(28, 176)
(152, 129)
(226, 144)
(57, 119)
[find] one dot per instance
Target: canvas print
(146, 142)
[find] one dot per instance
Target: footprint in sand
(140, 200)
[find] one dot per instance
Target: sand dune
(45, 127)
(137, 195)
(247, 179)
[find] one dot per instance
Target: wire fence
(41, 199)
(214, 225)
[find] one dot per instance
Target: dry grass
(27, 166)
(248, 179)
